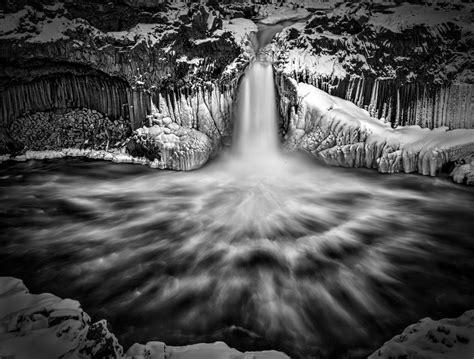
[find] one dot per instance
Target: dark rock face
(118, 59)
(410, 64)
(55, 130)
(63, 91)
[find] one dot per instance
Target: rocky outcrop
(171, 146)
(43, 326)
(108, 95)
(55, 130)
(463, 171)
(407, 64)
(434, 339)
(181, 60)
(342, 134)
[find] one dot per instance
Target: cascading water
(287, 254)
(256, 133)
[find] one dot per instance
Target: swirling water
(259, 249)
(290, 254)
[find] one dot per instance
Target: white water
(256, 133)
(302, 257)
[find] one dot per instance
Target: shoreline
(458, 174)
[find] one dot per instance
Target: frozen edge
(44, 326)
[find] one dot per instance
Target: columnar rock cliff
(407, 65)
(180, 60)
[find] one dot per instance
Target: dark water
(290, 255)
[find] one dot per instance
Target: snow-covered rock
(451, 338)
(463, 171)
(170, 146)
(342, 134)
(43, 326)
(217, 350)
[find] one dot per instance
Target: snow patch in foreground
(43, 326)
(434, 339)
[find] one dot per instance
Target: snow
(408, 15)
(11, 22)
(272, 14)
(239, 27)
(410, 148)
(74, 152)
(207, 39)
(196, 61)
(403, 136)
(301, 59)
(28, 332)
(19, 25)
(434, 339)
(217, 350)
(51, 30)
(22, 313)
(151, 33)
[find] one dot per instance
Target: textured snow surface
(408, 15)
(35, 27)
(27, 323)
(451, 338)
(43, 326)
(218, 350)
(240, 28)
(343, 134)
(272, 14)
(151, 33)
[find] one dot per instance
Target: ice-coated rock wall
(342, 134)
(402, 104)
(207, 109)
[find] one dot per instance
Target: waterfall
(256, 133)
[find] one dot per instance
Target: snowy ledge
(43, 326)
(112, 155)
(342, 134)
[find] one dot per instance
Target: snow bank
(343, 134)
(434, 339)
(218, 350)
(272, 14)
(408, 15)
(44, 326)
(240, 28)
